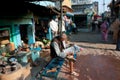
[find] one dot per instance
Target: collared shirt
(53, 26)
(57, 49)
(73, 49)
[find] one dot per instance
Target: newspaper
(73, 49)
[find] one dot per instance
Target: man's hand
(69, 54)
(71, 44)
(81, 49)
(70, 57)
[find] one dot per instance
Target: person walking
(118, 41)
(115, 27)
(104, 30)
(54, 27)
(73, 27)
(93, 26)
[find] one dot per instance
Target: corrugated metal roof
(44, 3)
(41, 0)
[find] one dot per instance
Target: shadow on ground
(94, 67)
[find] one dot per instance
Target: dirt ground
(98, 61)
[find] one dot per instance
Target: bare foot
(75, 73)
(52, 70)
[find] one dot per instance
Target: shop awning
(31, 0)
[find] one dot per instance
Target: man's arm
(57, 49)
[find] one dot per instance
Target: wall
(14, 22)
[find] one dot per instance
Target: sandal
(75, 74)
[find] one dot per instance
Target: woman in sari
(104, 30)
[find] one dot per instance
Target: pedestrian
(104, 30)
(93, 26)
(54, 27)
(73, 26)
(115, 27)
(118, 41)
(99, 24)
(67, 25)
(57, 48)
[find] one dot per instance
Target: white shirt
(63, 54)
(53, 25)
(63, 26)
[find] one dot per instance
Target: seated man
(57, 48)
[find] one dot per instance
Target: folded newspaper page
(73, 49)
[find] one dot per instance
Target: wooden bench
(54, 63)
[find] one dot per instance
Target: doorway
(23, 33)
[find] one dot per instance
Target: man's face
(64, 37)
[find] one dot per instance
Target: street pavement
(97, 61)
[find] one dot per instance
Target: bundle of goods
(9, 66)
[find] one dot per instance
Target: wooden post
(16, 35)
(61, 16)
(112, 9)
(49, 35)
(31, 34)
(119, 12)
